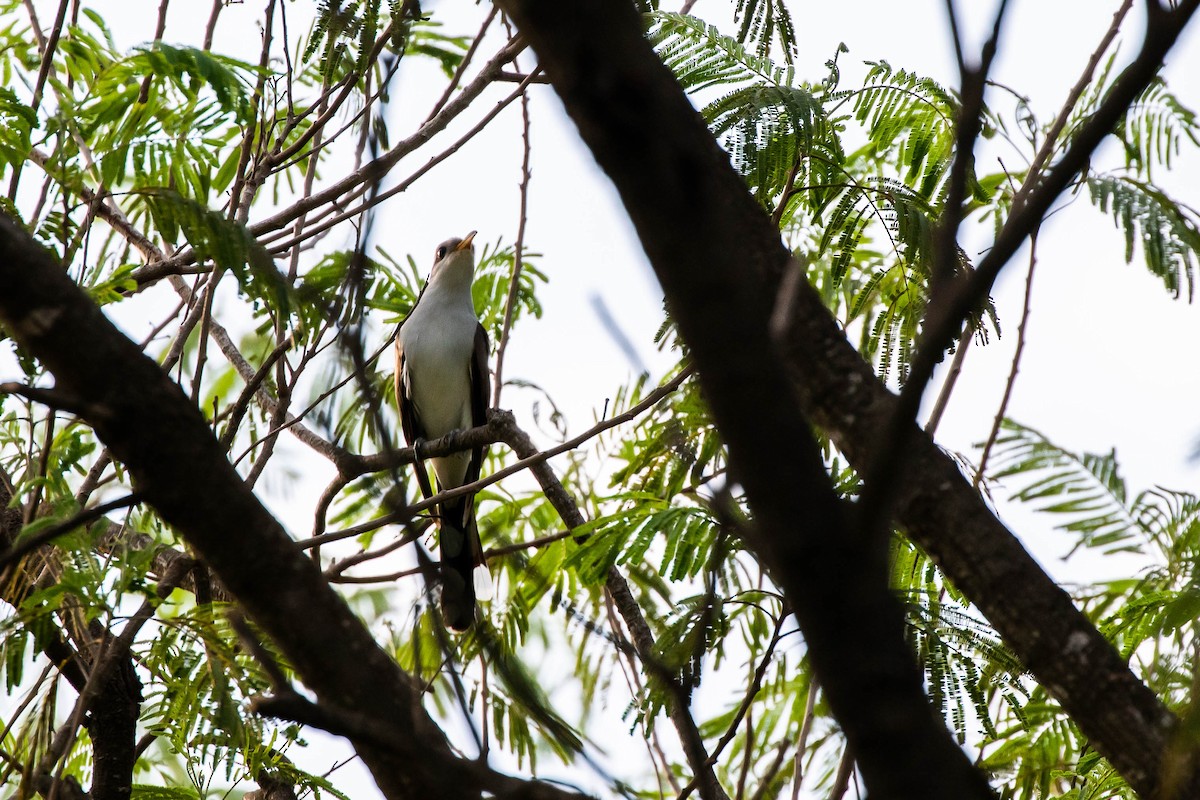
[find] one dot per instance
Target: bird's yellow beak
(465, 243)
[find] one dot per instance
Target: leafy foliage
(787, 140)
(345, 34)
(1086, 487)
(17, 122)
(1167, 231)
(760, 21)
(1151, 618)
(177, 159)
(162, 110)
(227, 244)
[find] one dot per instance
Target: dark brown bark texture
(713, 249)
(179, 467)
(720, 262)
(112, 728)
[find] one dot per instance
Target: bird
(442, 385)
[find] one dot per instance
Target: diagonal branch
(879, 488)
(718, 258)
(969, 289)
(178, 467)
(622, 598)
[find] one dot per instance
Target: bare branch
(1016, 363)
(514, 280)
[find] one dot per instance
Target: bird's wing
(481, 390)
(408, 416)
(481, 385)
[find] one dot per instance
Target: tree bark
(721, 265)
(179, 467)
(713, 248)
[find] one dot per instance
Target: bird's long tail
(460, 553)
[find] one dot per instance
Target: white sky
(1111, 358)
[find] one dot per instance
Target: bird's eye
(441, 252)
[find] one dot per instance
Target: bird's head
(454, 260)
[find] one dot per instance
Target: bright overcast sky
(1111, 358)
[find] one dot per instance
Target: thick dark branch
(955, 300)
(718, 258)
(968, 292)
(294, 707)
(946, 517)
(178, 467)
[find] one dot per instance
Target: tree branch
(969, 289)
(936, 505)
(28, 544)
(618, 590)
(718, 258)
(178, 467)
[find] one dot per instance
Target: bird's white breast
(439, 342)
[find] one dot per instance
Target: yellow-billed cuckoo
(442, 385)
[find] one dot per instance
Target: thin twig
(462, 65)
(35, 499)
(764, 780)
(159, 29)
(532, 544)
(747, 758)
(338, 567)
(47, 48)
(315, 229)
(752, 691)
(251, 388)
(956, 365)
(842, 781)
(211, 26)
(514, 281)
(38, 33)
(1064, 113)
(743, 709)
(810, 705)
(956, 36)
(1016, 362)
(325, 108)
(373, 171)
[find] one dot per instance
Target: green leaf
(1166, 231)
(226, 242)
